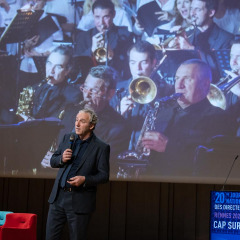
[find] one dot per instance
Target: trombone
(216, 95)
(143, 89)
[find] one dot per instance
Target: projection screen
(196, 147)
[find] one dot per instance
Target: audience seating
(19, 226)
(3, 217)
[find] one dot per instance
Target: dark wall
(125, 210)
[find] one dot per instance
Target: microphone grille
(72, 137)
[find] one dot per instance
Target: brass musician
(206, 36)
(142, 62)
(185, 124)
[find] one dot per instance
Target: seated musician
(50, 97)
(206, 36)
(117, 38)
(232, 98)
(182, 126)
(142, 63)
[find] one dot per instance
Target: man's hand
(163, 16)
(180, 43)
(97, 41)
(126, 104)
(76, 181)
(155, 141)
(67, 155)
(31, 42)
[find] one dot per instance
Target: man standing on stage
(83, 162)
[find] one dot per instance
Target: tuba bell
(143, 90)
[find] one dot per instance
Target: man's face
(199, 13)
(103, 19)
(189, 82)
(83, 127)
(56, 68)
(235, 58)
(95, 93)
(140, 64)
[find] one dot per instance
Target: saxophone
(25, 102)
(137, 161)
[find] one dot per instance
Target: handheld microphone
(71, 141)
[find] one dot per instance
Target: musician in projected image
(182, 126)
(50, 97)
(206, 36)
(234, 95)
(232, 98)
(142, 63)
(118, 39)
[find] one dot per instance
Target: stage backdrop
(26, 146)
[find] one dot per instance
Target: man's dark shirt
(79, 148)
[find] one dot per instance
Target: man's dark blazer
(214, 38)
(94, 165)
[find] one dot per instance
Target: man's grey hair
(92, 114)
(106, 73)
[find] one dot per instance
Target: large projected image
(162, 76)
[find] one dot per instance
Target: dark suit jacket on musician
(49, 101)
(186, 129)
(119, 40)
(214, 38)
(94, 166)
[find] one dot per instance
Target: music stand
(222, 58)
(20, 27)
(18, 31)
(173, 60)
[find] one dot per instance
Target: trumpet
(216, 95)
(103, 53)
(229, 76)
(179, 32)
